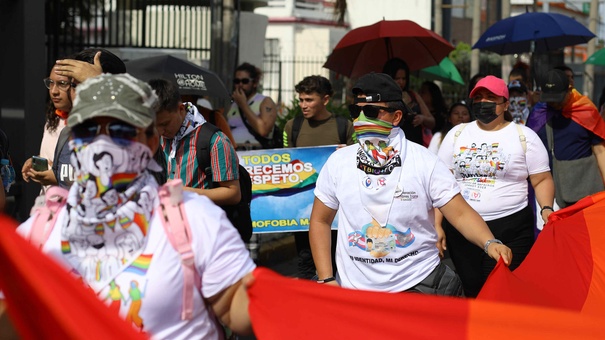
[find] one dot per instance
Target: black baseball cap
(554, 86)
(377, 87)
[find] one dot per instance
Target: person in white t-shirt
(110, 232)
(384, 190)
(492, 158)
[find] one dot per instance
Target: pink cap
(493, 84)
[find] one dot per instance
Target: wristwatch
(490, 242)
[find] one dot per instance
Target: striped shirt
(184, 165)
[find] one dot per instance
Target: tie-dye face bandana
(379, 161)
(375, 138)
(109, 207)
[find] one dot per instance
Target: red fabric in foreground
(46, 302)
(286, 308)
(559, 270)
(557, 293)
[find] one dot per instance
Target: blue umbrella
(533, 32)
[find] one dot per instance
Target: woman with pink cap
(492, 159)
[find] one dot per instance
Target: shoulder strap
(296, 125)
(522, 138)
(61, 141)
(177, 229)
(341, 122)
(459, 131)
(46, 209)
(202, 148)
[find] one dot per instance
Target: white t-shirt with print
(151, 289)
(492, 168)
(407, 253)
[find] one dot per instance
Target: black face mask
(485, 112)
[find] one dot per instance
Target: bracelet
(546, 207)
(326, 280)
(490, 242)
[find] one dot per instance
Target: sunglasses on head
(121, 133)
(244, 81)
(370, 111)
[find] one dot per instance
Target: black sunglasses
(244, 81)
(121, 133)
(370, 111)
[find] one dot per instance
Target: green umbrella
(597, 58)
(445, 71)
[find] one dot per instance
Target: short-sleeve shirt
(408, 253)
(492, 168)
(184, 165)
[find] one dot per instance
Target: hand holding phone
(39, 163)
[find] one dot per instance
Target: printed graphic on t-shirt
(129, 299)
(380, 241)
(479, 167)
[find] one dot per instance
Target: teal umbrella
(445, 71)
(597, 58)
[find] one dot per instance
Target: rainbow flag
(140, 265)
(557, 293)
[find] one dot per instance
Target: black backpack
(275, 142)
(238, 214)
(341, 123)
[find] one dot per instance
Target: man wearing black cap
(384, 190)
(577, 132)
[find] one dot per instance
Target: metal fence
(143, 24)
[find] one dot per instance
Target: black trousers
(306, 266)
(473, 265)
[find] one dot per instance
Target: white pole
(475, 36)
(506, 59)
(589, 69)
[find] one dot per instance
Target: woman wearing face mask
(492, 158)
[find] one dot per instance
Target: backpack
(238, 214)
(176, 226)
(341, 123)
(275, 142)
(5, 154)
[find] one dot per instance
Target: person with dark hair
(179, 125)
(85, 64)
(252, 115)
(572, 129)
(457, 114)
(88, 63)
(433, 98)
(413, 123)
(384, 189)
(499, 157)
(173, 255)
(317, 126)
(61, 91)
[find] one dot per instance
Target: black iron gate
(73, 25)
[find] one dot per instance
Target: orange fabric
(582, 111)
(46, 302)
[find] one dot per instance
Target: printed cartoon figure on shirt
(380, 241)
(483, 164)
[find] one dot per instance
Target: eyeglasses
(244, 81)
(62, 84)
(121, 133)
(370, 111)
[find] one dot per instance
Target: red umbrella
(366, 49)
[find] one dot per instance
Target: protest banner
(282, 186)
